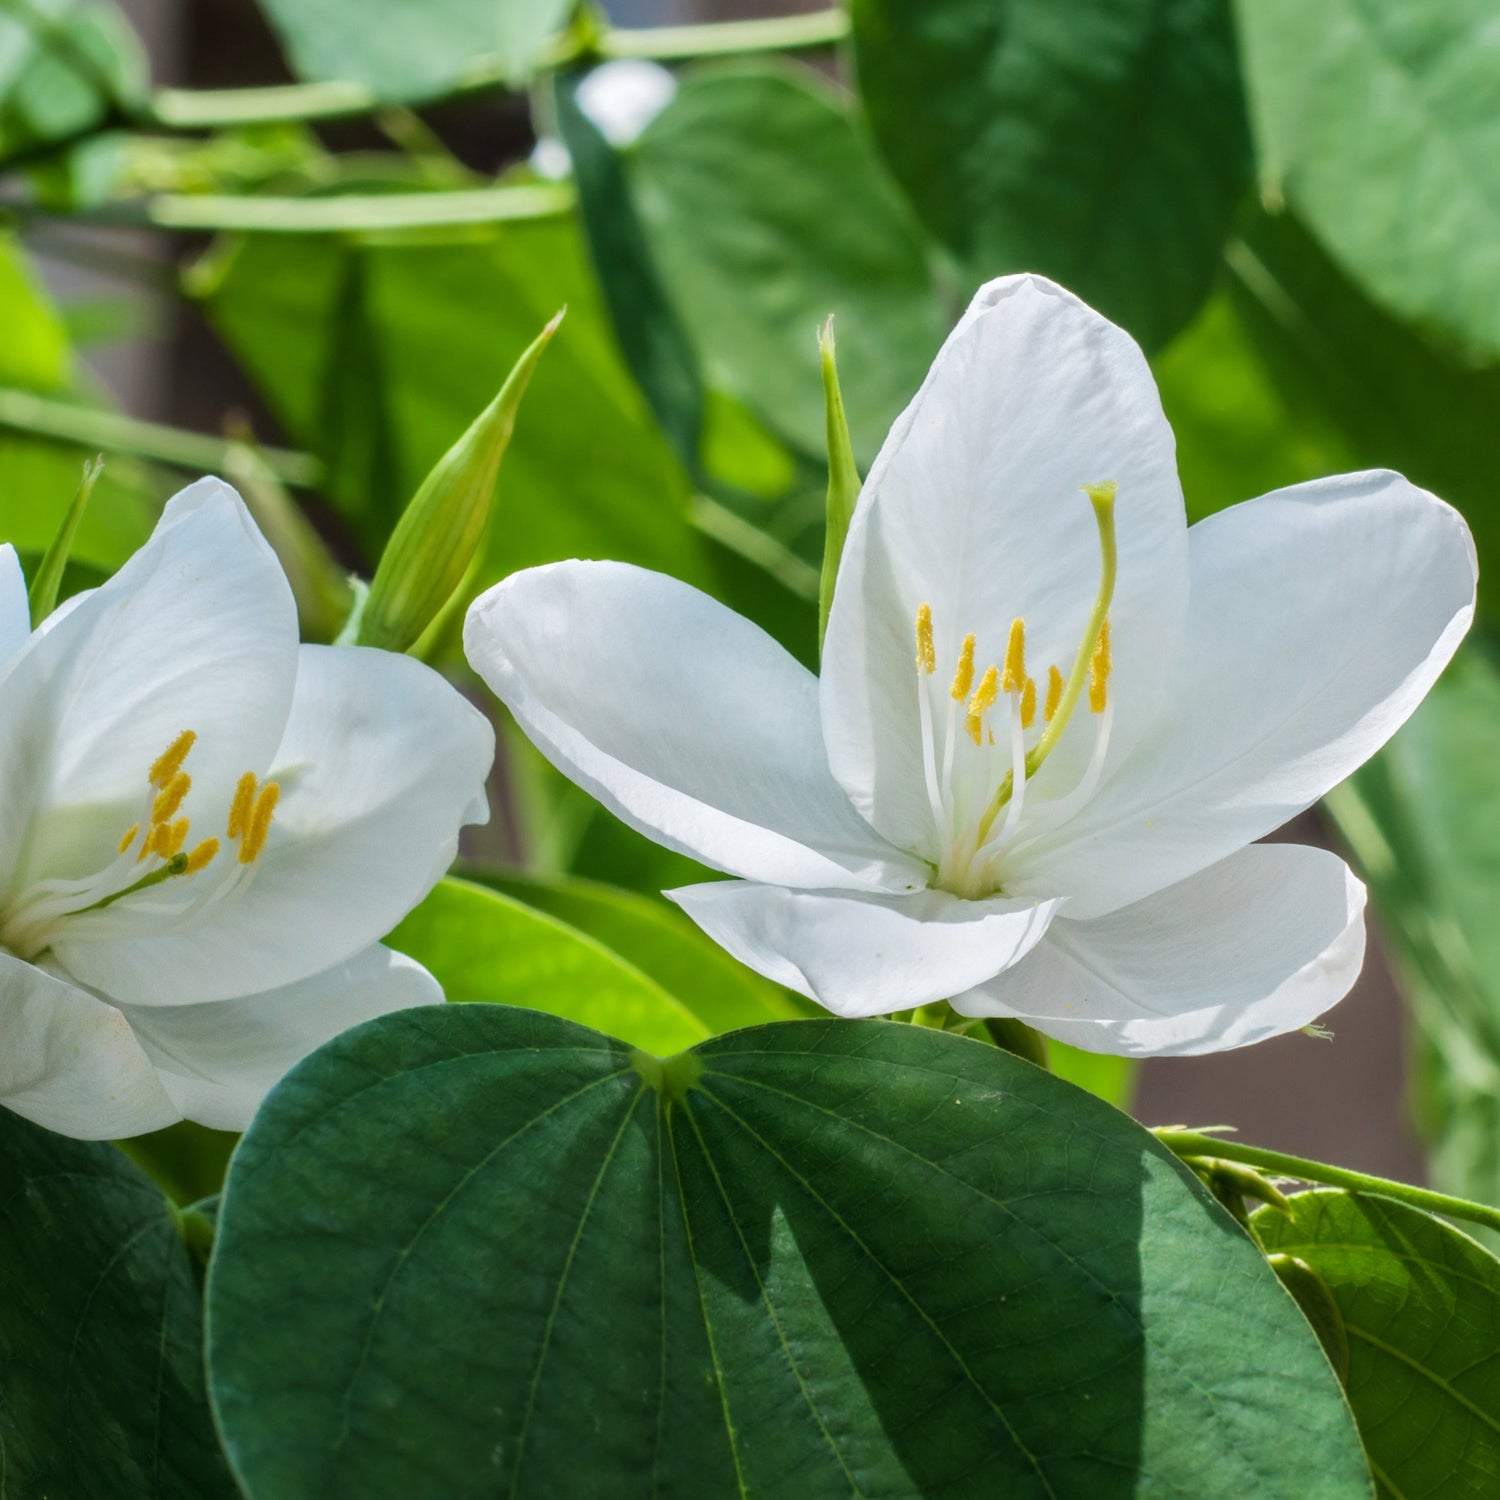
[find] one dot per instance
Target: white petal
(218, 1061)
(974, 506)
(686, 720)
(1320, 616)
(865, 955)
(71, 1063)
(1262, 943)
(381, 763)
(15, 611)
(197, 631)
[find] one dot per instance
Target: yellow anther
(170, 798)
(1028, 703)
(1099, 665)
(981, 703)
(963, 679)
(201, 856)
(169, 762)
(240, 808)
(179, 833)
(1014, 676)
(259, 824)
(926, 651)
(128, 837)
(1054, 693)
(160, 842)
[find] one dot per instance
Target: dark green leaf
(1420, 1304)
(767, 212)
(101, 1374)
(1102, 142)
(1376, 121)
(812, 1259)
(1394, 398)
(651, 337)
(405, 51)
(444, 322)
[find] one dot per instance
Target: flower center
(117, 899)
(971, 785)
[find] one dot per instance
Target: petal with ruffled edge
(681, 717)
(975, 507)
(1320, 617)
(15, 611)
(381, 763)
(198, 631)
(1262, 943)
(218, 1061)
(865, 955)
(72, 1063)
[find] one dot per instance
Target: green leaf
(661, 942)
(404, 51)
(479, 302)
(1420, 1305)
(65, 67)
(767, 212)
(101, 1366)
(1376, 121)
(1102, 143)
(38, 480)
(652, 338)
(1239, 432)
(1394, 398)
(820, 1258)
(483, 946)
(1423, 821)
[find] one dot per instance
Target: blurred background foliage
(1295, 208)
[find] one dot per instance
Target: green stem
(1190, 1143)
(351, 214)
(87, 427)
(216, 109)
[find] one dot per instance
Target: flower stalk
(1194, 1145)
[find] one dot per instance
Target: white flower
(1053, 819)
(205, 828)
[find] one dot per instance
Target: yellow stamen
(1054, 693)
(259, 823)
(170, 798)
(201, 856)
(1014, 677)
(169, 762)
(926, 651)
(1028, 703)
(240, 807)
(963, 679)
(982, 702)
(1099, 666)
(179, 833)
(160, 842)
(128, 837)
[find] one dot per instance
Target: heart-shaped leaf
(474, 1251)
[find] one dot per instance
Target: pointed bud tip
(825, 335)
(555, 322)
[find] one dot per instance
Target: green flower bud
(843, 479)
(441, 533)
(42, 595)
